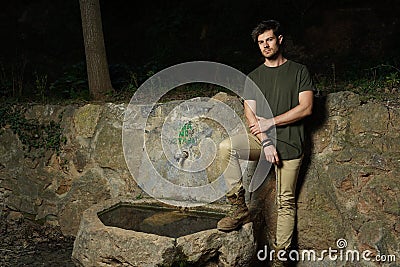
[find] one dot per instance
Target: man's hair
(266, 25)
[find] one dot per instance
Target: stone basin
(146, 232)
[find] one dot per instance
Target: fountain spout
(181, 156)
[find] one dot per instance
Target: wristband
(266, 145)
(266, 142)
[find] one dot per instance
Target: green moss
(86, 118)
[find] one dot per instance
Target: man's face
(269, 44)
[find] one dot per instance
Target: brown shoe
(237, 215)
(276, 262)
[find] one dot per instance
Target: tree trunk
(96, 59)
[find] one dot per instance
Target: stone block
(97, 244)
(87, 190)
(86, 119)
(370, 117)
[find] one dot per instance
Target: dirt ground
(26, 243)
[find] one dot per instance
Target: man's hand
(262, 125)
(271, 154)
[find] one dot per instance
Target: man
(288, 88)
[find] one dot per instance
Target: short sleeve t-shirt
(281, 86)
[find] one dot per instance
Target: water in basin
(159, 220)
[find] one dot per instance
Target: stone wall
(58, 187)
(349, 187)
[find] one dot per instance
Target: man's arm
(249, 111)
(302, 110)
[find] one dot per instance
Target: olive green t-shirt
(281, 87)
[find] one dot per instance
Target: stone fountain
(146, 232)
(171, 150)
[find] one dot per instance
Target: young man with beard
(288, 89)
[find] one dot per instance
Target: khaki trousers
(248, 147)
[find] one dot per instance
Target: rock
(85, 120)
(321, 138)
(371, 117)
(14, 216)
(25, 188)
(11, 153)
(80, 161)
(47, 209)
(349, 184)
(342, 103)
(394, 125)
(108, 152)
(237, 247)
(210, 120)
(233, 249)
(120, 247)
(221, 96)
(344, 156)
(97, 244)
(86, 191)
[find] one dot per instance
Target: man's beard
(272, 56)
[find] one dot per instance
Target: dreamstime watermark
(340, 253)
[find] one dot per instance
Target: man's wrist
(270, 123)
(266, 142)
(275, 121)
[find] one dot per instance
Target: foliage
(127, 79)
(182, 263)
(380, 82)
(36, 137)
(41, 86)
(193, 90)
(73, 84)
(12, 78)
(5, 82)
(120, 79)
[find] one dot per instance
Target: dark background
(340, 41)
